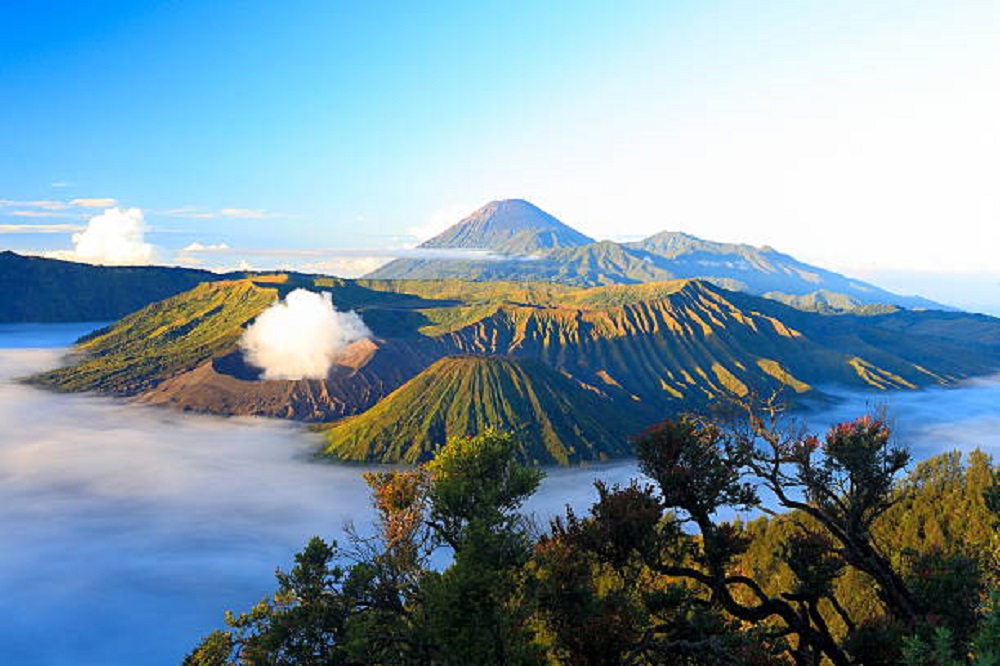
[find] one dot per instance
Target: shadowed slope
(50, 290)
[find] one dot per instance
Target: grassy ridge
(557, 420)
(665, 343)
(652, 349)
(164, 339)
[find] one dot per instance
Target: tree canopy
(853, 560)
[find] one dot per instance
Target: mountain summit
(509, 225)
(515, 230)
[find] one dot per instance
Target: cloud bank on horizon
(299, 337)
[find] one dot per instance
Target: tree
(380, 601)
(842, 485)
(854, 565)
(603, 603)
(475, 609)
(302, 624)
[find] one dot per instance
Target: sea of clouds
(128, 530)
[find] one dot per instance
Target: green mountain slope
(649, 349)
(557, 419)
(49, 290)
(163, 339)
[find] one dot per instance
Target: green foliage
(985, 645)
(839, 491)
(475, 611)
(948, 587)
(572, 372)
(938, 646)
(627, 583)
(853, 479)
(477, 482)
(814, 562)
(214, 650)
(49, 290)
(163, 339)
(388, 606)
(878, 641)
(302, 624)
(695, 466)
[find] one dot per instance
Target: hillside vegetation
(558, 420)
(865, 565)
(49, 290)
(638, 352)
(163, 339)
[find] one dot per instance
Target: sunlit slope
(658, 347)
(184, 352)
(689, 342)
(164, 339)
(556, 419)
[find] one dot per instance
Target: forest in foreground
(857, 558)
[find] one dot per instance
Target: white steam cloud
(299, 337)
(114, 238)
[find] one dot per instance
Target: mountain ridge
(556, 419)
(650, 350)
(664, 255)
(39, 289)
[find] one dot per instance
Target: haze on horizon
(857, 136)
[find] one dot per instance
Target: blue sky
(861, 136)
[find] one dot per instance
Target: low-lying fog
(128, 530)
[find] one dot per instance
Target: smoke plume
(298, 338)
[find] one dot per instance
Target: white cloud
(187, 212)
(245, 213)
(38, 213)
(94, 202)
(115, 237)
(194, 212)
(342, 262)
(299, 337)
(39, 228)
(346, 267)
(325, 253)
(187, 255)
(198, 247)
(35, 203)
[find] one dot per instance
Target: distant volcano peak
(509, 225)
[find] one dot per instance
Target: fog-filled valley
(130, 529)
(133, 528)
